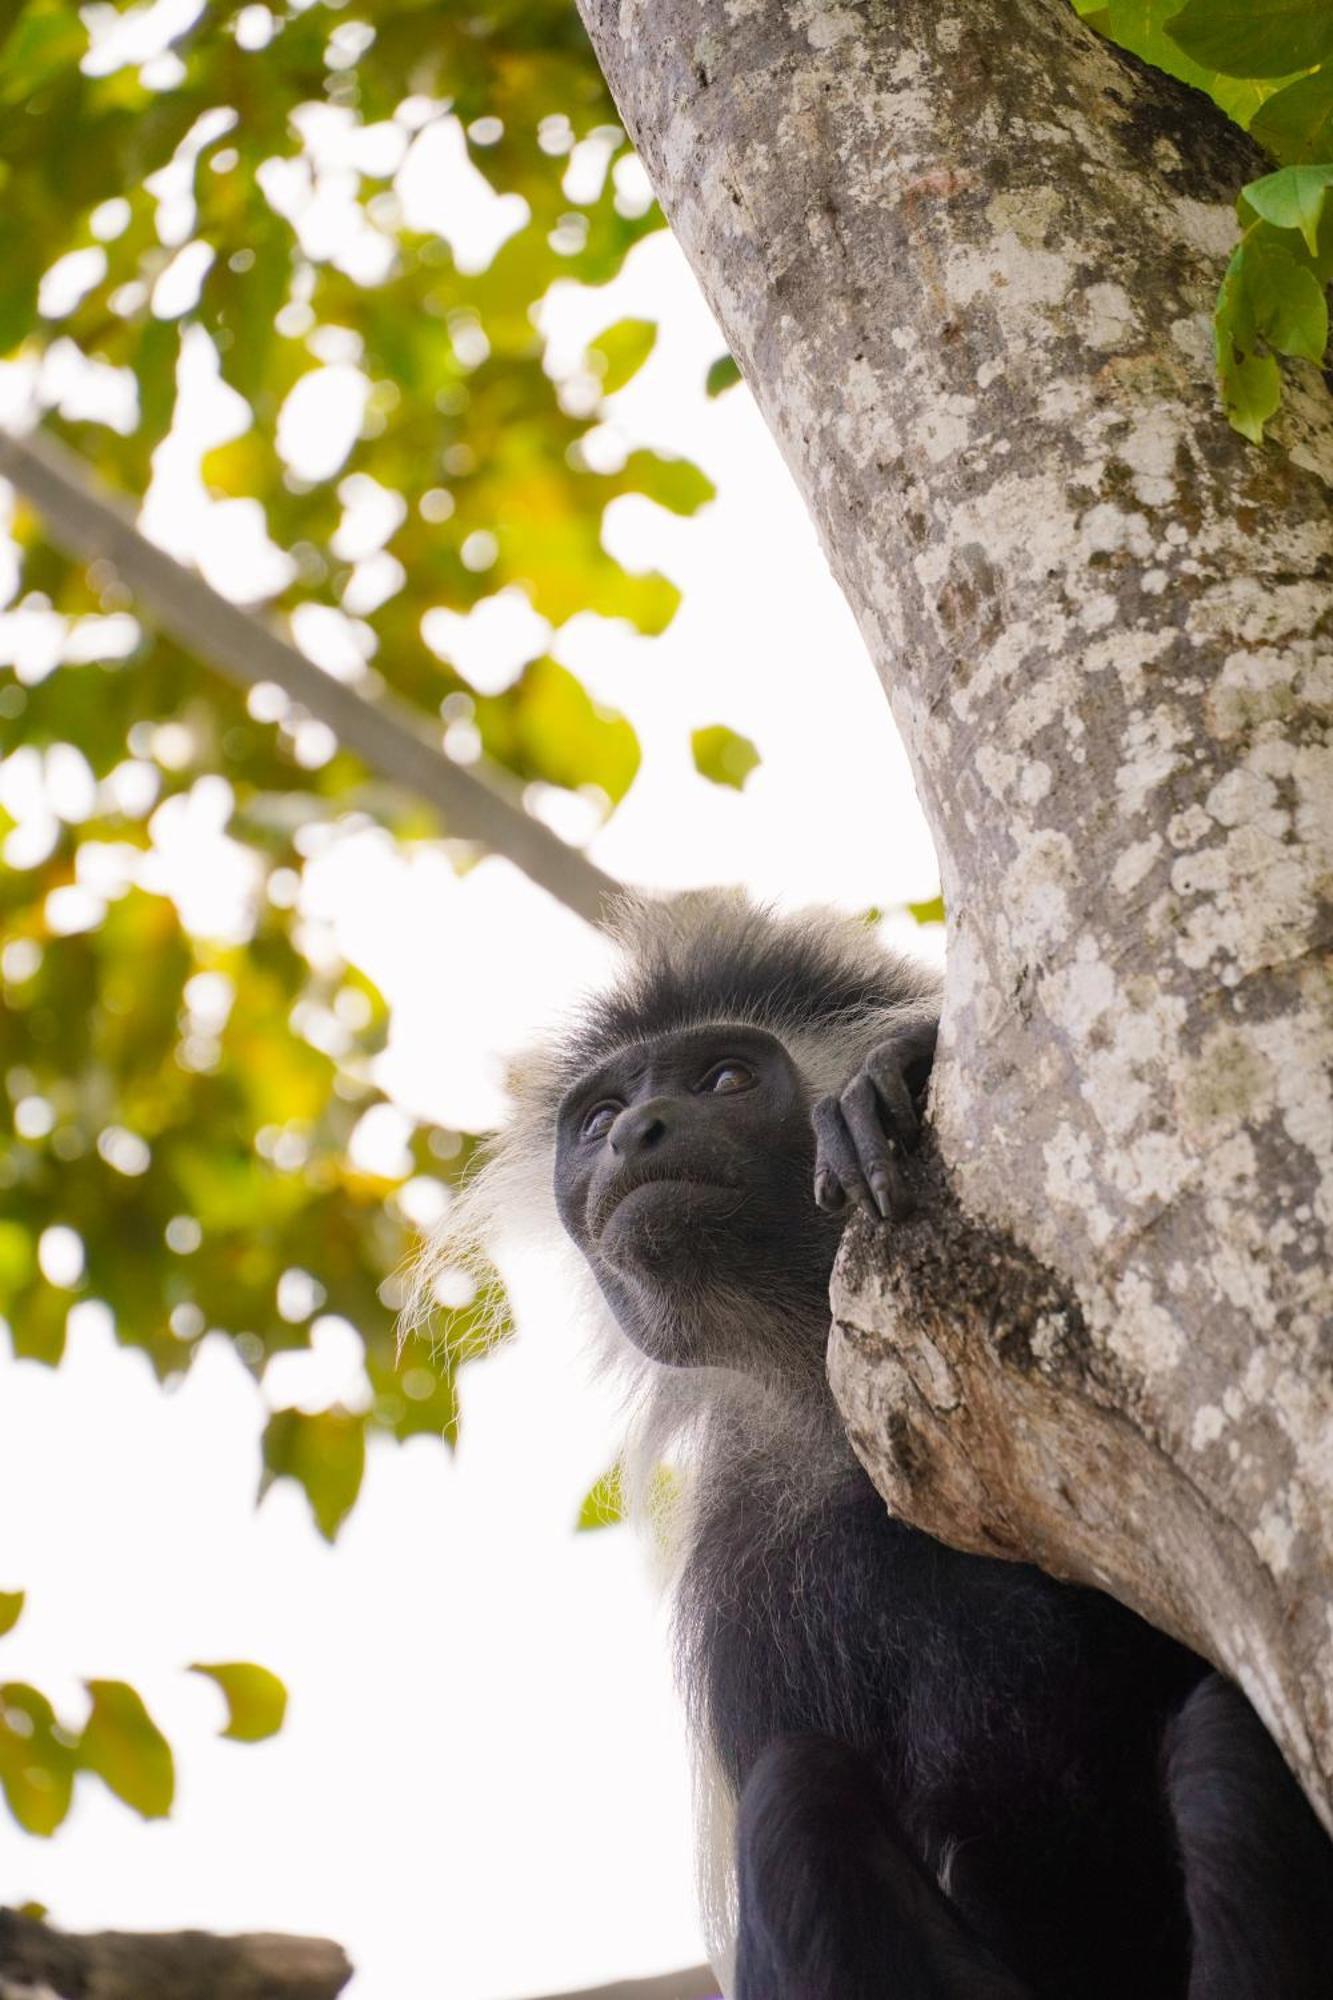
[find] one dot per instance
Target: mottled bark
(38, 1963)
(966, 253)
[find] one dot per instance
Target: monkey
(932, 1775)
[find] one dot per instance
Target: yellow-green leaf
(11, 1609)
(256, 1699)
(1292, 198)
(324, 1453)
(36, 1761)
(1251, 391)
(604, 1503)
(122, 1745)
(723, 756)
(929, 912)
(621, 351)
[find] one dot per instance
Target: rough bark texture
(966, 254)
(37, 1963)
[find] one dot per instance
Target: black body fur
(957, 1779)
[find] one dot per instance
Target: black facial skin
(684, 1168)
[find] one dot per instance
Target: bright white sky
(481, 1789)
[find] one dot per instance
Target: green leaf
(604, 1503)
(256, 1699)
(36, 1761)
(11, 1609)
(122, 1745)
(548, 727)
(1292, 198)
(674, 483)
(1255, 37)
(621, 351)
(18, 1259)
(1296, 123)
(722, 374)
(1287, 304)
(325, 1454)
(1251, 391)
(929, 912)
(722, 756)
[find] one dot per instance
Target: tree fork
(965, 252)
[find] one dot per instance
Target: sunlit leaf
(547, 726)
(123, 1746)
(931, 911)
(604, 1503)
(620, 352)
(256, 1699)
(11, 1609)
(723, 756)
(325, 1454)
(37, 1762)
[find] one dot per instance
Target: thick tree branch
(966, 254)
(385, 733)
(169, 1965)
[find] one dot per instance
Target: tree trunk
(965, 253)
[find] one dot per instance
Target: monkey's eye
(599, 1121)
(725, 1077)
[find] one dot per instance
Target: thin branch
(388, 735)
(698, 1983)
(168, 1965)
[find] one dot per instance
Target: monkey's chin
(662, 1226)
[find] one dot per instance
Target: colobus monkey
(949, 1777)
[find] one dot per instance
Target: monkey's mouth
(655, 1199)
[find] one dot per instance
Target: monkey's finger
(885, 1067)
(863, 1118)
(836, 1162)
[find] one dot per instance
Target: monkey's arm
(859, 1133)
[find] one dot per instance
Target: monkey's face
(683, 1173)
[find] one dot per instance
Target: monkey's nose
(638, 1128)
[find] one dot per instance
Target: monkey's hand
(860, 1133)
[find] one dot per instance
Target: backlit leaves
(122, 1745)
(325, 1454)
(723, 756)
(11, 1610)
(604, 1503)
(256, 1699)
(620, 352)
(178, 1110)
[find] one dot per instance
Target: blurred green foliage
(178, 1109)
